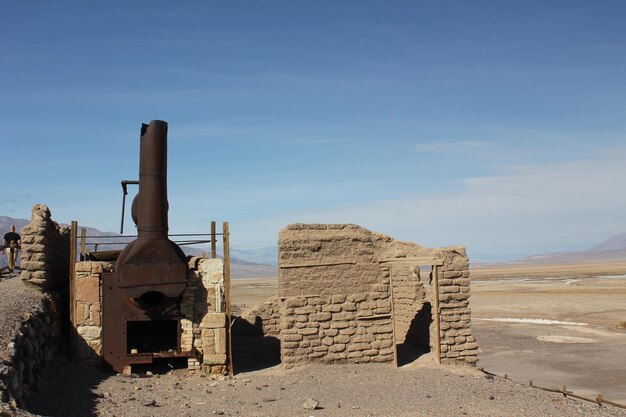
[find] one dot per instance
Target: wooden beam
(72, 279)
(226, 241)
(393, 319)
(414, 261)
(437, 315)
(317, 264)
(213, 241)
(83, 237)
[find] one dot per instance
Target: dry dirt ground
(586, 354)
(340, 390)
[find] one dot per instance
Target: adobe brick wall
(336, 303)
(265, 317)
(457, 342)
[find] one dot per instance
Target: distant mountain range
(613, 248)
(240, 268)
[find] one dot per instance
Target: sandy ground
(340, 390)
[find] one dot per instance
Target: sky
(500, 126)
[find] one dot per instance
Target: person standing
(12, 242)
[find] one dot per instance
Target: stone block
(355, 355)
(220, 340)
(332, 308)
(358, 346)
(309, 331)
(292, 337)
(349, 306)
(364, 338)
(214, 359)
(213, 321)
(339, 325)
(90, 333)
(95, 316)
(295, 302)
(320, 317)
(343, 316)
(305, 310)
(328, 341)
(337, 347)
(338, 299)
(379, 295)
(88, 289)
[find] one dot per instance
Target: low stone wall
(264, 318)
(36, 342)
(43, 331)
(204, 315)
(45, 251)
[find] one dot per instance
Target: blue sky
(495, 125)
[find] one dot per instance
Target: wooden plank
(393, 320)
(317, 264)
(374, 317)
(83, 237)
(414, 261)
(72, 277)
(213, 241)
(226, 240)
(437, 315)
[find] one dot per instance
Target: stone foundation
(202, 313)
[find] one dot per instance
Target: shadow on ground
(69, 390)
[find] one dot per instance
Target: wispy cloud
(531, 208)
(452, 147)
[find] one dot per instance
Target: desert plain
(555, 325)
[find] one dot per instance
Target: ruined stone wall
(337, 301)
(23, 364)
(45, 251)
(203, 319)
(88, 310)
(335, 297)
(457, 342)
(265, 317)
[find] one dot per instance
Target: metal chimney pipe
(151, 271)
(152, 204)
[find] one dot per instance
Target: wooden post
(72, 276)
(83, 237)
(437, 317)
(226, 241)
(213, 241)
(393, 319)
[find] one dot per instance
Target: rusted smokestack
(152, 200)
(151, 271)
